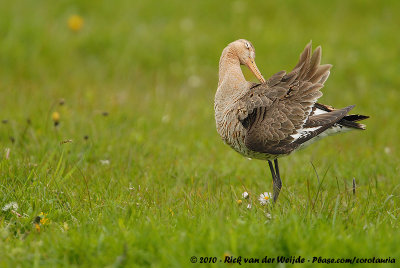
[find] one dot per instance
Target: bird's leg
(277, 182)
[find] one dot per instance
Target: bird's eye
(247, 45)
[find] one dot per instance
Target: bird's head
(246, 54)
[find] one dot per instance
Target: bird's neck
(232, 84)
(229, 68)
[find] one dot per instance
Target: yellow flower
(172, 212)
(37, 227)
(43, 219)
(56, 118)
(239, 202)
(75, 23)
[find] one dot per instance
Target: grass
(138, 80)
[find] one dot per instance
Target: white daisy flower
(245, 195)
(12, 205)
(264, 198)
(249, 206)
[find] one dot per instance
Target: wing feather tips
(356, 117)
(314, 62)
(361, 126)
(350, 107)
(324, 77)
(352, 119)
(304, 55)
(321, 74)
(309, 68)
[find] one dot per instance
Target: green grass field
(146, 180)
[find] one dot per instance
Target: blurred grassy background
(152, 68)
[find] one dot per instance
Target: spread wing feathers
(273, 111)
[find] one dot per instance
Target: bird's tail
(349, 121)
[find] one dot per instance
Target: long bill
(254, 69)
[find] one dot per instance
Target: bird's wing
(276, 112)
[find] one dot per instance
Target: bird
(275, 117)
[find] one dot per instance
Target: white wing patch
(303, 132)
(335, 129)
